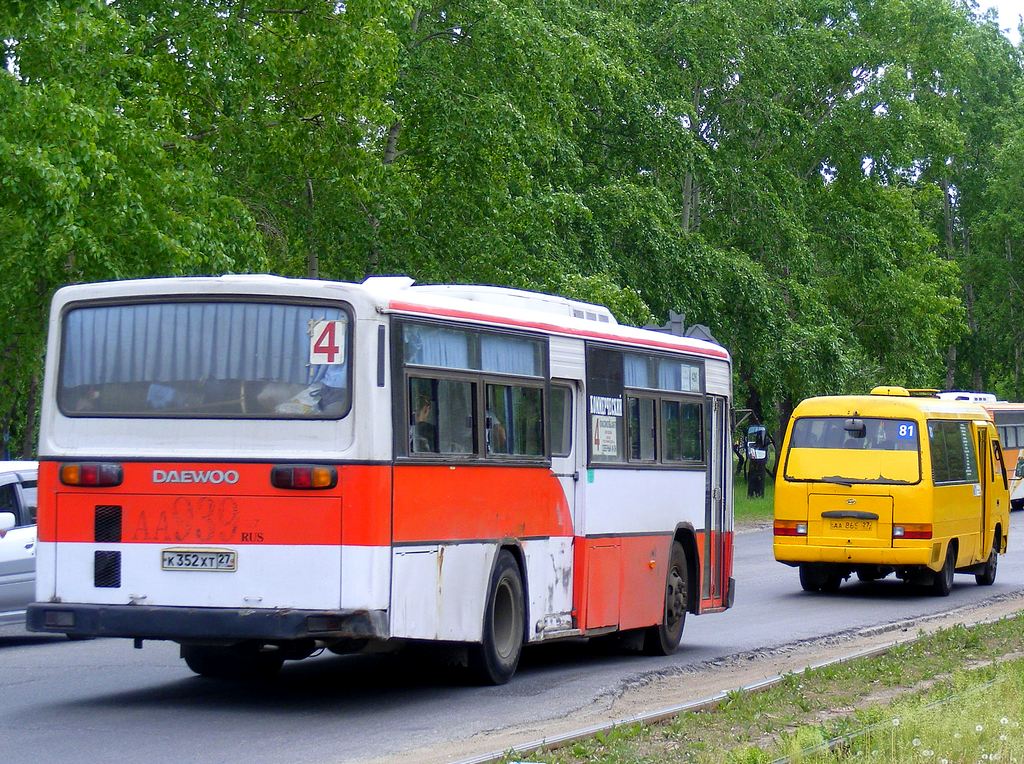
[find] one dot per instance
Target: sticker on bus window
(327, 342)
(906, 431)
(606, 436)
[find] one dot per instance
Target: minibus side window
(953, 458)
(997, 453)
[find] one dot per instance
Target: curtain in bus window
(436, 346)
(190, 341)
(676, 375)
(637, 371)
(510, 355)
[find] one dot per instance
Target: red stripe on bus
(250, 511)
(460, 502)
(680, 344)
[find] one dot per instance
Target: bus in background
(1009, 419)
(898, 481)
(258, 468)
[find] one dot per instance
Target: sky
(1009, 10)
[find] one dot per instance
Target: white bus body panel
(623, 501)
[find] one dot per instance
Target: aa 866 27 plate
(217, 560)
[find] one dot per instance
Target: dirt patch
(674, 687)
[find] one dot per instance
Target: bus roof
(889, 406)
(490, 305)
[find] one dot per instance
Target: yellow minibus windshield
(854, 450)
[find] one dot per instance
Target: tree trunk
(391, 148)
(312, 258)
(28, 437)
(687, 199)
(947, 214)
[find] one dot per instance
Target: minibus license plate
(851, 525)
(223, 560)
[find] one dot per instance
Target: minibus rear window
(854, 450)
(835, 432)
(206, 360)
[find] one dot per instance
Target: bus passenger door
(715, 540)
(566, 466)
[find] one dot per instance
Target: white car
(17, 539)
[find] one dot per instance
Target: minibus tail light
(912, 531)
(304, 476)
(91, 474)
(790, 528)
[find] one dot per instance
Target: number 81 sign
(327, 342)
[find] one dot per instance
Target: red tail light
(912, 531)
(303, 476)
(91, 474)
(790, 527)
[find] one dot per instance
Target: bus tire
(987, 576)
(832, 582)
(812, 578)
(244, 661)
(942, 581)
(495, 658)
(664, 638)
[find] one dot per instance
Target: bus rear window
(854, 450)
(206, 360)
(859, 434)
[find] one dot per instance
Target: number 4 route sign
(327, 342)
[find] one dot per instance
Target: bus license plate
(850, 525)
(222, 560)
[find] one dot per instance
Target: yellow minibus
(898, 481)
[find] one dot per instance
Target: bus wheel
(832, 582)
(812, 578)
(494, 660)
(942, 583)
(244, 661)
(663, 639)
(987, 577)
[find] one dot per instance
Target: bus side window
(997, 455)
(441, 416)
(561, 420)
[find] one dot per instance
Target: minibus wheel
(494, 660)
(663, 639)
(987, 576)
(812, 578)
(942, 583)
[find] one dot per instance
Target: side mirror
(7, 521)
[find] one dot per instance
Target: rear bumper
(187, 623)
(850, 555)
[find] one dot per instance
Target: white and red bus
(1009, 419)
(258, 467)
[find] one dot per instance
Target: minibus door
(984, 455)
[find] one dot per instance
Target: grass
(752, 509)
(973, 716)
(957, 694)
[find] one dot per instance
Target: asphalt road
(103, 700)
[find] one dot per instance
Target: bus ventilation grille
(107, 570)
(107, 524)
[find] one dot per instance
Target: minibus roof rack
(905, 392)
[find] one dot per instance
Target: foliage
(832, 187)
